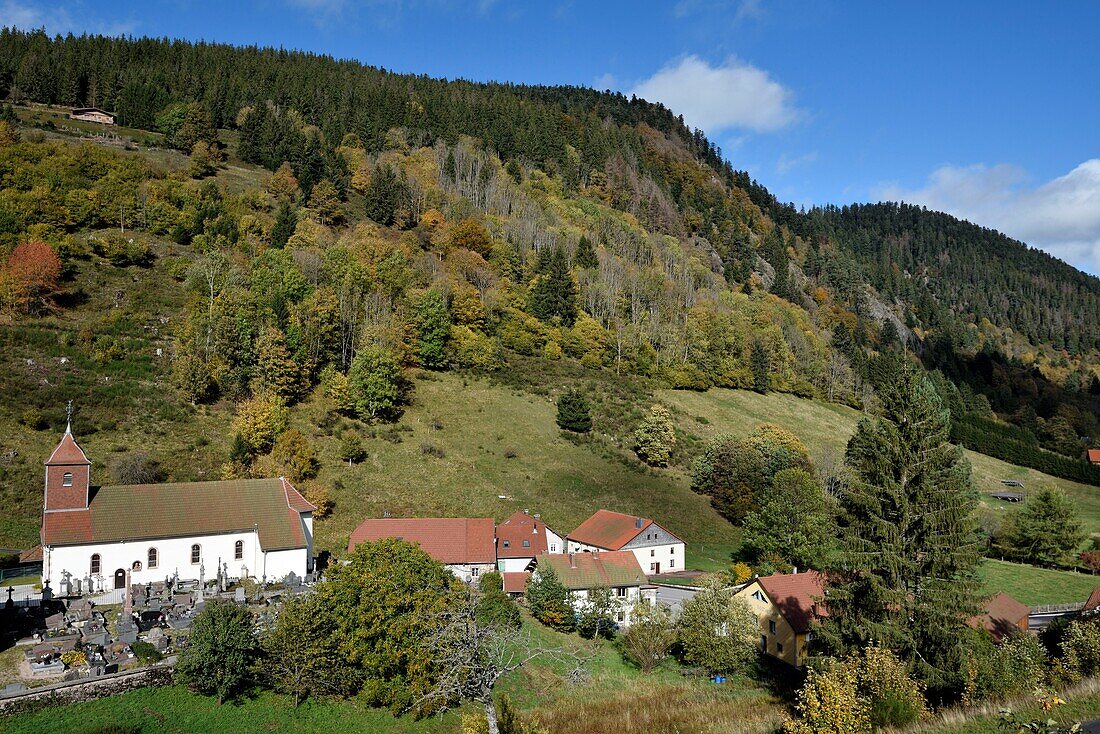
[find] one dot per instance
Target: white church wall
(173, 556)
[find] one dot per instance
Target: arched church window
(238, 550)
(152, 558)
(67, 479)
(196, 553)
(94, 568)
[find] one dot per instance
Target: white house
(656, 549)
(92, 114)
(617, 571)
(523, 537)
(465, 545)
(91, 536)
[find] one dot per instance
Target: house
(465, 545)
(1094, 457)
(1001, 616)
(787, 604)
(93, 536)
(515, 582)
(523, 537)
(618, 571)
(1093, 602)
(92, 114)
(656, 549)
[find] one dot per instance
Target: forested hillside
(417, 222)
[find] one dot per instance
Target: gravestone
(238, 595)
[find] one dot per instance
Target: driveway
(674, 596)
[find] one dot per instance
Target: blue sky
(988, 110)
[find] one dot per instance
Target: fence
(27, 569)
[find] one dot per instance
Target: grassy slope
(1034, 586)
(825, 429)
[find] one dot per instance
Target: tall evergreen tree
(433, 330)
(905, 577)
(586, 254)
(286, 220)
(554, 295)
(760, 367)
(573, 414)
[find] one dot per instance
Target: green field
(1034, 586)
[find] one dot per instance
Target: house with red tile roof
(787, 605)
(1001, 616)
(523, 537)
(618, 571)
(92, 536)
(1093, 602)
(1094, 456)
(656, 549)
(465, 545)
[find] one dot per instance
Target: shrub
(32, 418)
(432, 450)
(121, 250)
(649, 637)
(136, 467)
(718, 632)
(145, 652)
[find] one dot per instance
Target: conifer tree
(554, 296)
(905, 576)
(586, 254)
(548, 600)
(285, 222)
(760, 367)
(433, 330)
(573, 414)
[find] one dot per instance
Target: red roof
(1093, 601)
(1094, 456)
(589, 570)
(1001, 615)
(799, 597)
(171, 510)
(31, 554)
(447, 539)
(610, 530)
(68, 452)
(515, 530)
(515, 582)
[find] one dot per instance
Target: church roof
(68, 452)
(185, 509)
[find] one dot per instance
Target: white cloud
(29, 16)
(788, 163)
(732, 95)
(1061, 216)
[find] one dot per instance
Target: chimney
(638, 522)
(526, 511)
(794, 571)
(537, 516)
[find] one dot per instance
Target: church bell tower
(68, 474)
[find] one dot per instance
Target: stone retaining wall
(88, 689)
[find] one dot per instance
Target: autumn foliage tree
(32, 272)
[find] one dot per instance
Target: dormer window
(507, 544)
(67, 479)
(526, 544)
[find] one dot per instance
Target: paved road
(1092, 727)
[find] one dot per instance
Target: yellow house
(786, 604)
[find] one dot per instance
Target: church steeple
(68, 472)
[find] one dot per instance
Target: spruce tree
(286, 220)
(573, 413)
(586, 254)
(433, 330)
(905, 575)
(760, 367)
(554, 296)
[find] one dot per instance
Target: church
(92, 536)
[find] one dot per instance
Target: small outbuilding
(92, 114)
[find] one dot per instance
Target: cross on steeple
(69, 418)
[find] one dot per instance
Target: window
(553, 547)
(672, 550)
(152, 558)
(758, 596)
(67, 479)
(621, 616)
(779, 647)
(136, 566)
(475, 571)
(526, 544)
(672, 563)
(507, 544)
(94, 567)
(771, 626)
(238, 550)
(652, 552)
(196, 553)
(653, 567)
(620, 591)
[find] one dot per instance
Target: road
(674, 596)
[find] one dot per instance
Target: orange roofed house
(465, 545)
(92, 537)
(1001, 616)
(618, 571)
(656, 549)
(523, 537)
(787, 605)
(1094, 457)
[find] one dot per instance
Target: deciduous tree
(220, 650)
